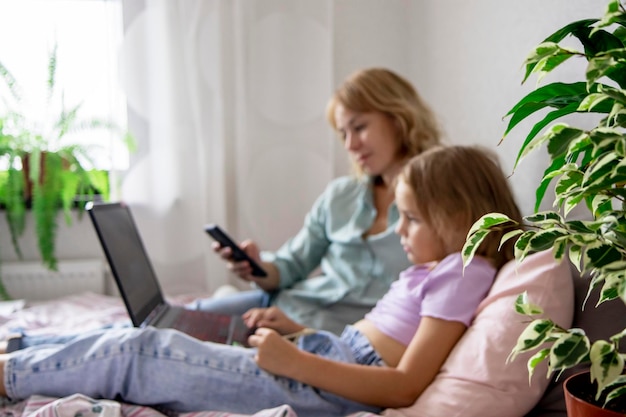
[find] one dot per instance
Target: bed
(476, 379)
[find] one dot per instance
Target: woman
(348, 234)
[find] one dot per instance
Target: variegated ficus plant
(588, 168)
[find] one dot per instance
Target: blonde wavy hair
(381, 90)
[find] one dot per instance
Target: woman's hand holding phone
(241, 262)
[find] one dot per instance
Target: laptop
(140, 289)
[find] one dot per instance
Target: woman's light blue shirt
(354, 271)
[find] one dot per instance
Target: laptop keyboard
(196, 324)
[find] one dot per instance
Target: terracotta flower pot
(579, 391)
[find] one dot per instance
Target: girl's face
(418, 238)
(371, 139)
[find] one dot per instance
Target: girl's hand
(272, 318)
(241, 268)
(274, 353)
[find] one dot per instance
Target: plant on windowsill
(588, 166)
(45, 171)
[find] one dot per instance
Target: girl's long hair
(456, 185)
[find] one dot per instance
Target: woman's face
(419, 240)
(371, 139)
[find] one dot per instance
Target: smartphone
(238, 254)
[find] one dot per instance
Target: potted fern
(588, 167)
(44, 171)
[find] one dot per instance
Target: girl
(384, 360)
(348, 234)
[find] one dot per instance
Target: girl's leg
(165, 368)
(237, 303)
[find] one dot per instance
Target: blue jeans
(235, 304)
(168, 369)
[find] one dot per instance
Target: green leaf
(535, 360)
(580, 226)
(11, 82)
(611, 13)
(522, 245)
(15, 205)
(612, 288)
(555, 165)
(600, 170)
(596, 41)
(545, 217)
(52, 68)
(620, 32)
(490, 220)
(571, 202)
(592, 101)
(541, 51)
(606, 364)
(479, 231)
(559, 35)
(557, 95)
(524, 306)
(614, 93)
(619, 392)
(569, 180)
(600, 204)
(601, 254)
(575, 256)
(549, 63)
(569, 349)
(549, 118)
(471, 245)
(536, 333)
(508, 236)
(561, 137)
(619, 336)
(560, 249)
(45, 206)
(599, 67)
(545, 239)
(616, 111)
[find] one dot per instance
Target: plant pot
(580, 398)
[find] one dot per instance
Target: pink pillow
(476, 380)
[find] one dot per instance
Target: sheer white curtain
(228, 100)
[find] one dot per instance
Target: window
(88, 35)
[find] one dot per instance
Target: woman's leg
(21, 341)
(237, 303)
(166, 368)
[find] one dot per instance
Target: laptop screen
(127, 258)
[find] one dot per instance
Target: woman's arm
(379, 386)
(269, 282)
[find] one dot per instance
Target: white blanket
(79, 313)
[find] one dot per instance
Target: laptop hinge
(155, 315)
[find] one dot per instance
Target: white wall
(468, 63)
(464, 57)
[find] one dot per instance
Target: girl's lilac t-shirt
(443, 291)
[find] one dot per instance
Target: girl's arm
(273, 318)
(380, 386)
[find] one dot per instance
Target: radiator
(32, 281)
